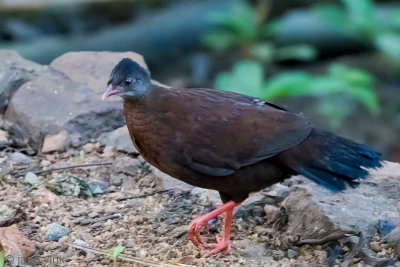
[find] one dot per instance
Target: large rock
(119, 139)
(393, 238)
(14, 72)
(315, 212)
(166, 182)
(92, 68)
(68, 97)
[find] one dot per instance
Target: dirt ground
(151, 228)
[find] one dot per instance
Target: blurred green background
(337, 61)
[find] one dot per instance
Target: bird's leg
(224, 241)
(197, 224)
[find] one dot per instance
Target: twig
(174, 245)
(354, 252)
(73, 166)
(144, 195)
(331, 237)
(89, 221)
(128, 258)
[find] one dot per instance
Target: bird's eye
(128, 81)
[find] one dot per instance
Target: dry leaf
(15, 243)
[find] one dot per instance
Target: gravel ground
(151, 228)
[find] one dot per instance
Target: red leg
(197, 224)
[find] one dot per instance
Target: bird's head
(127, 79)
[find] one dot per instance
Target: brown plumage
(230, 142)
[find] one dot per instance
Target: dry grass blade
(129, 258)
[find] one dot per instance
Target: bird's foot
(222, 244)
(194, 231)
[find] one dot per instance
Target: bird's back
(229, 142)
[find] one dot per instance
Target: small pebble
(142, 253)
(32, 178)
(55, 232)
(292, 253)
(19, 158)
(375, 246)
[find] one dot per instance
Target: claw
(194, 232)
(221, 244)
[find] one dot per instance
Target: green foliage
(116, 252)
(241, 27)
(334, 89)
(2, 259)
(73, 186)
(235, 27)
(357, 17)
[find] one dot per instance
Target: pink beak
(112, 90)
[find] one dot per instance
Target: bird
(229, 142)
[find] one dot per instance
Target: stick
(128, 258)
(331, 237)
(89, 221)
(144, 195)
(73, 166)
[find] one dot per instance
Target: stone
(81, 243)
(14, 72)
(127, 165)
(376, 247)
(314, 212)
(393, 238)
(120, 140)
(67, 96)
(292, 254)
(3, 136)
(92, 68)
(166, 182)
(55, 232)
(116, 180)
(44, 196)
(58, 142)
(272, 213)
(19, 158)
(207, 196)
(89, 147)
(263, 231)
(32, 178)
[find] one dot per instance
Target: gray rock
(32, 178)
(55, 232)
(292, 253)
(166, 182)
(14, 72)
(272, 213)
(3, 137)
(393, 238)
(206, 196)
(81, 243)
(314, 212)
(119, 139)
(19, 158)
(4, 168)
(68, 97)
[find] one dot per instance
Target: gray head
(127, 79)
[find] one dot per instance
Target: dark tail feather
(331, 161)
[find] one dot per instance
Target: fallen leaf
(15, 243)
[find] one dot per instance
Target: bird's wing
(218, 132)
